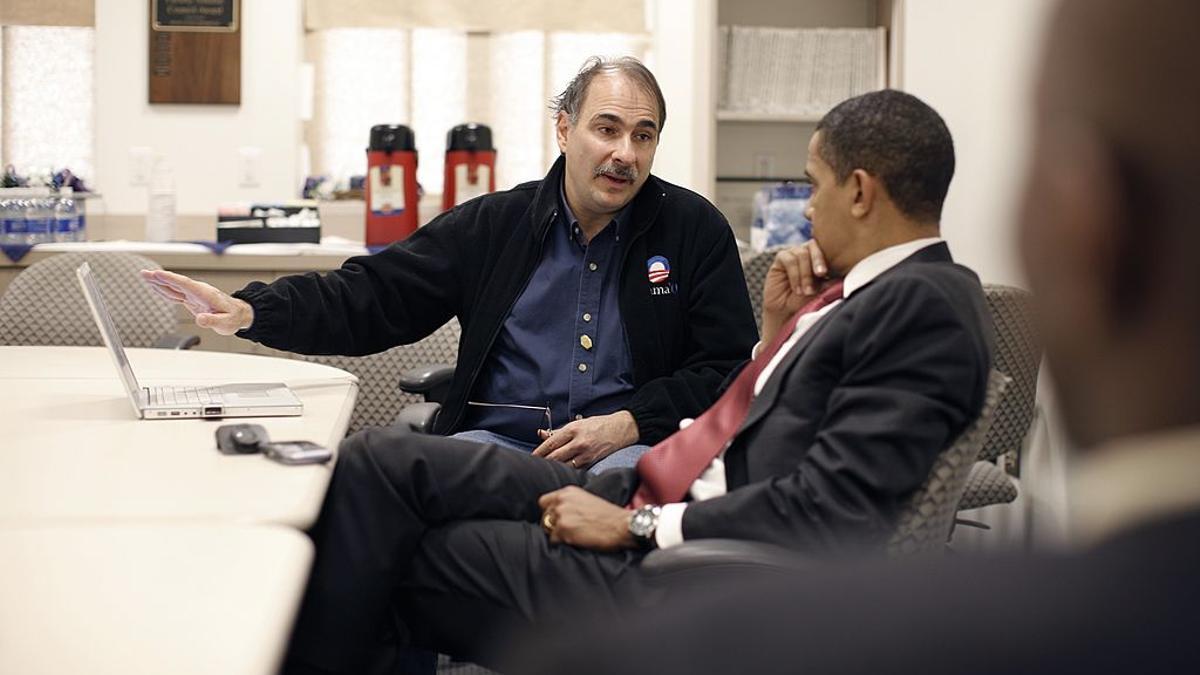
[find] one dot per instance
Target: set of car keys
(249, 439)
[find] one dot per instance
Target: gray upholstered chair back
(45, 306)
(925, 523)
(379, 395)
(1018, 355)
(755, 270)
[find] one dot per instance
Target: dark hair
(571, 99)
(897, 138)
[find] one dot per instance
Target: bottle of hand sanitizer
(160, 209)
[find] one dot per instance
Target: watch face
(643, 522)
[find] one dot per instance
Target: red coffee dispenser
(391, 185)
(470, 164)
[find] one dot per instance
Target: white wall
(973, 62)
(201, 142)
(684, 62)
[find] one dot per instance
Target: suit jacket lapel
(766, 398)
(939, 252)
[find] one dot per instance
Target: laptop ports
(213, 411)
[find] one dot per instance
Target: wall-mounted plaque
(195, 51)
(194, 15)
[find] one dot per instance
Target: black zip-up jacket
(474, 261)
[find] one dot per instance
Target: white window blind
(439, 94)
(47, 107)
(432, 79)
(361, 80)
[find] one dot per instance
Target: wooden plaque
(195, 51)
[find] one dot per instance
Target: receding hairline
(571, 99)
(643, 87)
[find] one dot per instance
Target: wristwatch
(643, 524)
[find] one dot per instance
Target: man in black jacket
(876, 357)
(601, 302)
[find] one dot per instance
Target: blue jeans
(624, 458)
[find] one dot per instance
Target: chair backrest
(44, 305)
(925, 522)
(755, 270)
(1019, 356)
(379, 395)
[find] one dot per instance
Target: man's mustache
(621, 171)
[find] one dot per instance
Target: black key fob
(241, 439)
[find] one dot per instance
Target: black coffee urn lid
(392, 138)
(469, 136)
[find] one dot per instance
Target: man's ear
(866, 191)
(562, 126)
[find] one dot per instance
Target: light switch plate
(249, 158)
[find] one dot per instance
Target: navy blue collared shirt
(563, 344)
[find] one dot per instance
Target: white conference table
(149, 599)
(72, 452)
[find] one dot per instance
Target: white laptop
(182, 402)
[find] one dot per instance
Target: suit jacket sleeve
(914, 374)
(720, 335)
(370, 304)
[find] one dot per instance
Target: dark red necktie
(668, 470)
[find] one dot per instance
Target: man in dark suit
(875, 356)
(1110, 239)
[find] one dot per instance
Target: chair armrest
(433, 381)
(710, 554)
(418, 417)
(176, 341)
(987, 484)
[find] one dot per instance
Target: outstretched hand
(212, 308)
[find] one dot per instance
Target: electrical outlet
(764, 165)
(141, 163)
(248, 161)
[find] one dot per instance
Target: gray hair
(571, 99)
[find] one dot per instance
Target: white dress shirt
(711, 483)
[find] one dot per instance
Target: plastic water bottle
(66, 219)
(160, 211)
(12, 222)
(38, 216)
(80, 218)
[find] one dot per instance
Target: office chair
(380, 401)
(755, 270)
(922, 527)
(45, 306)
(1018, 355)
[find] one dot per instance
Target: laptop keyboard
(183, 395)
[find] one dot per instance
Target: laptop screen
(108, 331)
